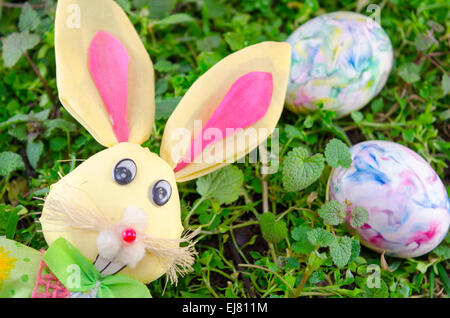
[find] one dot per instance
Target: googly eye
(124, 171)
(160, 192)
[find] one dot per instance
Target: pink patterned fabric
(108, 64)
(245, 103)
(47, 285)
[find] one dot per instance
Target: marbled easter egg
(341, 60)
(408, 205)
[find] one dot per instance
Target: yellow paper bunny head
(120, 207)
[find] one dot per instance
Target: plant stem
(188, 217)
(5, 185)
(44, 83)
(298, 290)
(20, 5)
(270, 271)
(273, 253)
(265, 190)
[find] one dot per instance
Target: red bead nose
(129, 235)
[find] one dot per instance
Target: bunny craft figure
(115, 220)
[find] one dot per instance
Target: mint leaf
(338, 154)
(294, 132)
(20, 132)
(124, 4)
(341, 251)
(234, 40)
(10, 162)
(209, 43)
(333, 212)
(224, 185)
(164, 108)
(357, 116)
(34, 151)
(380, 291)
(410, 72)
(358, 217)
(159, 8)
(15, 44)
(300, 170)
(58, 123)
(356, 249)
(302, 244)
(424, 41)
(320, 237)
(29, 19)
(272, 230)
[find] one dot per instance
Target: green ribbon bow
(78, 274)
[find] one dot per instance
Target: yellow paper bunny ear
(228, 111)
(104, 74)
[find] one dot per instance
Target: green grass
(234, 259)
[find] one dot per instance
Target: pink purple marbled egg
(408, 205)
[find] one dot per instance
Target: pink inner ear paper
(108, 64)
(245, 103)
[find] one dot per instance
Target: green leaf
(273, 231)
(234, 40)
(124, 4)
(16, 119)
(358, 217)
(377, 105)
(10, 162)
(375, 292)
(357, 116)
(15, 44)
(164, 108)
(20, 132)
(29, 19)
(59, 123)
(41, 116)
(356, 249)
(302, 244)
(444, 277)
(410, 72)
(338, 154)
(208, 59)
(446, 84)
(316, 259)
(408, 134)
(436, 26)
(176, 18)
(160, 8)
(34, 151)
(11, 226)
(294, 132)
(58, 143)
(224, 185)
(209, 43)
(424, 41)
(214, 8)
(292, 263)
(320, 237)
(300, 170)
(333, 212)
(341, 250)
(303, 247)
(442, 251)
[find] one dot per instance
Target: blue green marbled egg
(341, 60)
